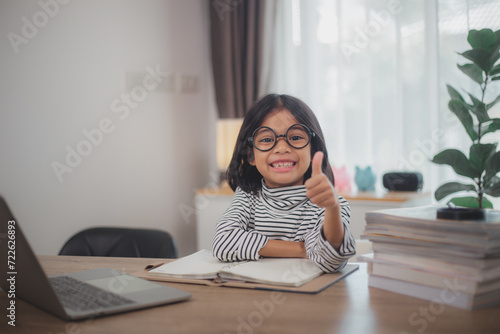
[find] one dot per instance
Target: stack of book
(448, 262)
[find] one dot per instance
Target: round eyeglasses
(297, 136)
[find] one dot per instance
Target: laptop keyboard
(80, 296)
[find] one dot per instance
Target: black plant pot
(461, 213)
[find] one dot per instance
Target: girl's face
(283, 165)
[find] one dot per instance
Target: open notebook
(283, 274)
(202, 265)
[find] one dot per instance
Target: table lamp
(227, 130)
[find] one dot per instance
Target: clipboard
(314, 286)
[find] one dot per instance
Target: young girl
(284, 203)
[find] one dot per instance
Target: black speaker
(400, 181)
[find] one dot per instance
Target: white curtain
(375, 73)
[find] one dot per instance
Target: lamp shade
(226, 135)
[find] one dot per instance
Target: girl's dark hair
(240, 173)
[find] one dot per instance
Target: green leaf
(491, 126)
(487, 204)
(471, 202)
(490, 105)
(475, 100)
(493, 190)
(493, 59)
(492, 181)
(479, 109)
(495, 78)
(482, 39)
(481, 112)
(495, 55)
(473, 71)
(464, 116)
(450, 188)
(458, 161)
(479, 155)
(495, 70)
(480, 57)
(497, 43)
(468, 202)
(454, 94)
(492, 167)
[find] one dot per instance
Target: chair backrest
(121, 242)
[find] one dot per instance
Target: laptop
(73, 296)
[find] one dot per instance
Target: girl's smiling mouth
(283, 165)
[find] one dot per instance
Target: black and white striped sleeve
(234, 240)
(321, 252)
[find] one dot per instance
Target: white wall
(67, 76)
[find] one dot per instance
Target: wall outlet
(168, 82)
(187, 84)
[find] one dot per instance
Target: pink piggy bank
(342, 179)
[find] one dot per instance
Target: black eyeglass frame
(309, 132)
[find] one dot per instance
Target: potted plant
(483, 161)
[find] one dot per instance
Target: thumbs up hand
(318, 188)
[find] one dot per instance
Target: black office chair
(121, 242)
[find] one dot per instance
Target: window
(375, 73)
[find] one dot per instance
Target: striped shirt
(281, 214)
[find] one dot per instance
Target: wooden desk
(348, 306)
